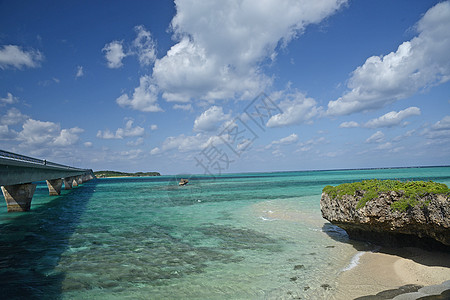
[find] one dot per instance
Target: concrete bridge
(18, 172)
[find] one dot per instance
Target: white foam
(354, 262)
(266, 219)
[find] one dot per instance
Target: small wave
(266, 219)
(354, 262)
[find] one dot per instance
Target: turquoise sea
(233, 236)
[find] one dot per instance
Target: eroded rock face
(426, 226)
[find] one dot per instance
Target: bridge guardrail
(19, 157)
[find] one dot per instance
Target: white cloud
(144, 98)
(393, 118)
(4, 130)
(145, 46)
(12, 117)
(405, 135)
(137, 142)
(296, 109)
(6, 133)
(440, 130)
(209, 120)
(132, 154)
(417, 64)
(38, 134)
(14, 56)
(351, 124)
(114, 54)
(80, 72)
(385, 146)
(187, 107)
(128, 131)
(222, 44)
(284, 141)
(185, 143)
(308, 145)
(443, 124)
(155, 151)
(377, 137)
(154, 127)
(389, 119)
(88, 144)
(9, 99)
(67, 137)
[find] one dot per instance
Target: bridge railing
(19, 157)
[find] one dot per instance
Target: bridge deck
(19, 169)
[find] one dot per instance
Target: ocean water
(234, 236)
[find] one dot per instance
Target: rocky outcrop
(425, 225)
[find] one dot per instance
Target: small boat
(183, 182)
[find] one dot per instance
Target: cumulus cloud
(88, 144)
(210, 119)
(145, 46)
(12, 117)
(114, 54)
(296, 108)
(12, 56)
(37, 134)
(417, 64)
(144, 97)
(9, 99)
(5, 133)
(128, 131)
(154, 127)
(221, 45)
(393, 118)
(377, 137)
(185, 143)
(67, 137)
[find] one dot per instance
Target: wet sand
(393, 268)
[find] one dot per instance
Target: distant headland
(108, 174)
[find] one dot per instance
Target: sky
(212, 87)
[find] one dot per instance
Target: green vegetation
(103, 174)
(409, 191)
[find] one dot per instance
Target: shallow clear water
(236, 236)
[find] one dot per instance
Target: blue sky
(169, 86)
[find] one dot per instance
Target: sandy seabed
(392, 268)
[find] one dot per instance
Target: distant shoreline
(117, 174)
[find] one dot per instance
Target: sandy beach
(392, 268)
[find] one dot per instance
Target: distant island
(106, 174)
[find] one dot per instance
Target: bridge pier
(74, 182)
(67, 183)
(18, 197)
(54, 186)
(80, 179)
